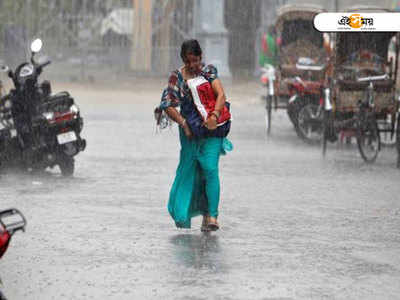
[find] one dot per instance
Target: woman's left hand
(211, 123)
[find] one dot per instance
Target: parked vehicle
(305, 108)
(304, 55)
(362, 90)
(11, 221)
(38, 129)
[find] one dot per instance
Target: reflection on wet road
(200, 251)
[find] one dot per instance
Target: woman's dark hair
(190, 47)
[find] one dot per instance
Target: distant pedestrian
(269, 48)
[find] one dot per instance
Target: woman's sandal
(204, 224)
(212, 224)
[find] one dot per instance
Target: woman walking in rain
(204, 122)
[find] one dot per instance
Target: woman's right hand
(178, 118)
(187, 131)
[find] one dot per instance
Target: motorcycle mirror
(36, 45)
(4, 69)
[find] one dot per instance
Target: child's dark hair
(190, 47)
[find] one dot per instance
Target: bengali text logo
(356, 21)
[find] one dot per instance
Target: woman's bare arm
(211, 122)
(177, 117)
(220, 94)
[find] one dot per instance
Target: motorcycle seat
(57, 102)
(57, 96)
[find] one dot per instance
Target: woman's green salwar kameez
(196, 188)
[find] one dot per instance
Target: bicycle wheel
(368, 139)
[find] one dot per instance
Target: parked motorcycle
(11, 221)
(305, 106)
(38, 129)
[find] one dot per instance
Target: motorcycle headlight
(74, 109)
(48, 115)
(26, 70)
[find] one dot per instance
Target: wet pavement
(293, 225)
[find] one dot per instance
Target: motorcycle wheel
(309, 124)
(67, 165)
(291, 114)
(293, 110)
(368, 139)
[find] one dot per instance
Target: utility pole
(212, 34)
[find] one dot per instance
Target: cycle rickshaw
(362, 90)
(303, 56)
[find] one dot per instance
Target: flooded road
(293, 225)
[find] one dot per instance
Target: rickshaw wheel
(368, 140)
(269, 113)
